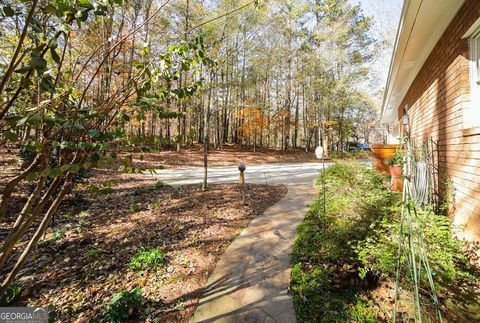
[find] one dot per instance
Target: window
(393, 133)
(471, 115)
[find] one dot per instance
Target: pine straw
(82, 261)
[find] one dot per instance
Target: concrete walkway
(250, 281)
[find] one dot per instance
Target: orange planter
(396, 171)
(380, 154)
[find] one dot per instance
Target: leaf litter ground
(82, 262)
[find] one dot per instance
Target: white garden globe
(319, 152)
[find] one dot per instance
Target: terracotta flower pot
(396, 171)
(396, 183)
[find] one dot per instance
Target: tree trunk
(295, 134)
(38, 234)
(206, 141)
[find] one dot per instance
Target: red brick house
(435, 77)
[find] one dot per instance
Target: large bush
(324, 257)
(348, 245)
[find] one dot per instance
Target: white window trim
(471, 112)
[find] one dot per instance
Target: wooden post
(242, 178)
(242, 168)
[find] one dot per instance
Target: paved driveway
(278, 173)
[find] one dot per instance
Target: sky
(386, 14)
(381, 7)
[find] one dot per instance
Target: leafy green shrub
(147, 259)
(357, 236)
(314, 281)
(397, 159)
(311, 287)
(364, 312)
(124, 305)
(356, 199)
(450, 265)
(12, 292)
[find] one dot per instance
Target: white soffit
(422, 23)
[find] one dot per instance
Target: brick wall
(436, 100)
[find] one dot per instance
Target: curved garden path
(251, 279)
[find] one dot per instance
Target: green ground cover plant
(124, 305)
(345, 255)
(147, 259)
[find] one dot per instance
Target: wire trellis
(417, 190)
(424, 173)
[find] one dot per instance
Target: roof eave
(413, 19)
